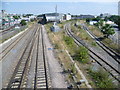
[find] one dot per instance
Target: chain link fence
(10, 33)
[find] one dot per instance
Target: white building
(92, 22)
(109, 22)
(68, 16)
(25, 18)
(32, 17)
(54, 17)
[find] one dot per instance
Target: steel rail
(13, 44)
(23, 63)
(80, 42)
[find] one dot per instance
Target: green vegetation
(82, 55)
(31, 20)
(94, 44)
(102, 79)
(107, 30)
(23, 22)
(73, 69)
(81, 33)
(93, 19)
(69, 41)
(115, 19)
(79, 27)
(16, 17)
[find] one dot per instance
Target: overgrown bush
(23, 22)
(31, 20)
(69, 41)
(79, 26)
(102, 79)
(81, 55)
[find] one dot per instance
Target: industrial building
(82, 16)
(67, 17)
(51, 17)
(58, 17)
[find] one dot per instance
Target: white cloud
(7, 3)
(60, 0)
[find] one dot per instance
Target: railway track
(7, 49)
(108, 50)
(107, 66)
(35, 47)
(6, 29)
(19, 71)
(41, 76)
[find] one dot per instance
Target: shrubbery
(102, 79)
(69, 41)
(23, 22)
(82, 55)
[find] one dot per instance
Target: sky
(92, 7)
(60, 0)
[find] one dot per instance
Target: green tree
(115, 19)
(98, 18)
(31, 20)
(107, 30)
(16, 17)
(23, 22)
(88, 20)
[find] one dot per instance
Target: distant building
(54, 17)
(110, 22)
(7, 20)
(82, 16)
(105, 15)
(67, 17)
(92, 22)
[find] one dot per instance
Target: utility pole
(56, 13)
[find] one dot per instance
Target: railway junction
(27, 62)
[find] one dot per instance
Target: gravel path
(57, 78)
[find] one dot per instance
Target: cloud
(60, 0)
(7, 3)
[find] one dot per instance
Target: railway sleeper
(41, 85)
(41, 74)
(41, 81)
(14, 87)
(41, 69)
(16, 79)
(43, 78)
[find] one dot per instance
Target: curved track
(108, 50)
(107, 66)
